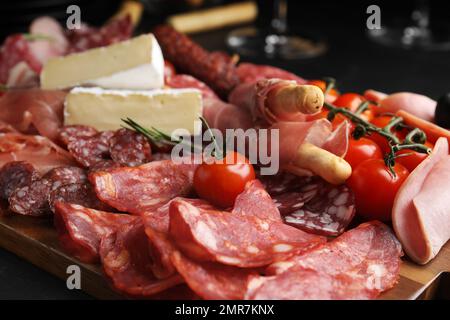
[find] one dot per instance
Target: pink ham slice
(416, 104)
(251, 235)
(34, 111)
(40, 151)
(360, 264)
(420, 215)
(144, 188)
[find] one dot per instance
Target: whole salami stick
(216, 69)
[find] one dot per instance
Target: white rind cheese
(164, 109)
(135, 64)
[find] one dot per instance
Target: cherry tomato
(221, 181)
(332, 94)
(381, 122)
(411, 158)
(361, 150)
(375, 188)
(349, 101)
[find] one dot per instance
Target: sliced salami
(31, 200)
(145, 188)
(211, 280)
(65, 175)
(239, 238)
(71, 133)
(283, 182)
(328, 212)
(156, 224)
(90, 150)
(14, 175)
(77, 193)
(127, 262)
(360, 264)
(104, 165)
(129, 148)
(80, 229)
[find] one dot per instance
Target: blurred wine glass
(416, 34)
(276, 41)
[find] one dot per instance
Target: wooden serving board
(35, 240)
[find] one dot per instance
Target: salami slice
(90, 150)
(212, 280)
(157, 228)
(65, 175)
(239, 238)
(71, 133)
(80, 229)
(104, 165)
(328, 213)
(360, 264)
(32, 199)
(145, 188)
(126, 261)
(77, 193)
(16, 174)
(130, 148)
(181, 81)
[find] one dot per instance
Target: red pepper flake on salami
(129, 148)
(14, 175)
(360, 264)
(127, 262)
(31, 200)
(71, 133)
(144, 188)
(90, 150)
(81, 229)
(239, 238)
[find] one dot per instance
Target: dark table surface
(352, 59)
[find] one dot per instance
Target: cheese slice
(164, 109)
(132, 64)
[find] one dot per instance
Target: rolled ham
(416, 104)
(421, 214)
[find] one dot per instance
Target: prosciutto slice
(420, 215)
(249, 72)
(40, 151)
(34, 111)
(360, 264)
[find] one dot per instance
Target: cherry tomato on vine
(349, 101)
(375, 188)
(221, 181)
(381, 122)
(361, 150)
(411, 158)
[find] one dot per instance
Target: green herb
(37, 37)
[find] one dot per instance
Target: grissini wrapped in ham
(272, 100)
(420, 215)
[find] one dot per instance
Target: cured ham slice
(249, 72)
(127, 262)
(360, 264)
(81, 229)
(273, 100)
(144, 188)
(34, 111)
(41, 152)
(244, 237)
(420, 214)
